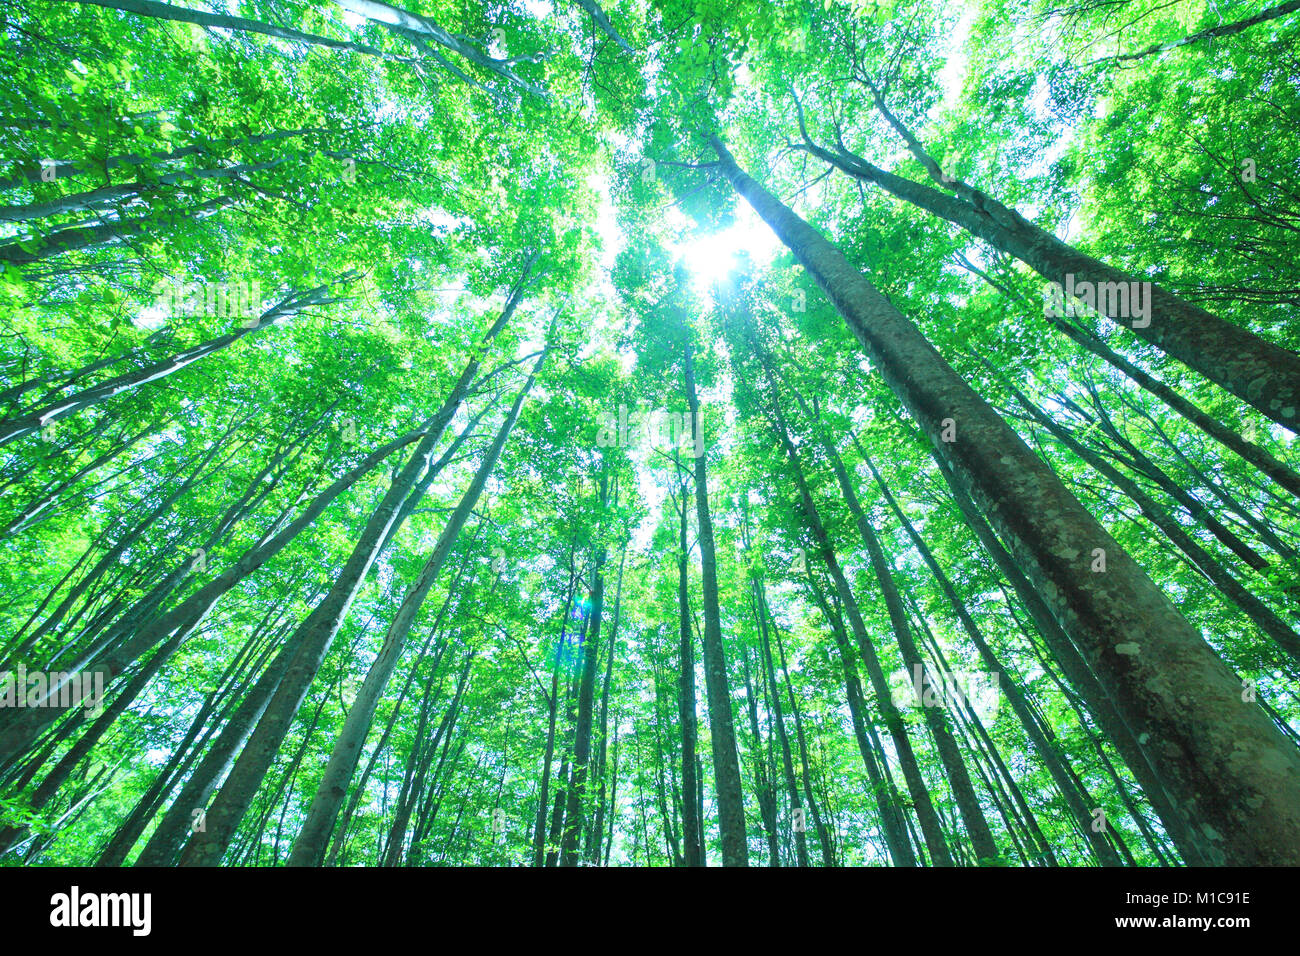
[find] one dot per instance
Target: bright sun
(710, 258)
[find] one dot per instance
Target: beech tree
(649, 433)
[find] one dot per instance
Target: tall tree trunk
(206, 848)
(1223, 762)
(778, 720)
(539, 830)
(234, 683)
(411, 25)
(1232, 589)
(764, 786)
(574, 818)
(1051, 758)
(823, 835)
(116, 195)
(167, 839)
(888, 803)
(309, 849)
(190, 613)
(926, 813)
(722, 732)
(1261, 458)
(84, 236)
(1100, 702)
(41, 172)
(977, 827)
(25, 423)
(220, 21)
(692, 785)
(596, 836)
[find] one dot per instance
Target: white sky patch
(441, 219)
(151, 317)
(654, 493)
(953, 74)
(607, 228)
(1038, 99)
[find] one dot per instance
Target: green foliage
(416, 185)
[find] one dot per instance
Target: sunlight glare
(712, 257)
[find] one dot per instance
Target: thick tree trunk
(1223, 762)
(1100, 702)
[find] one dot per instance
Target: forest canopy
(649, 433)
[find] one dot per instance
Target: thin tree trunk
(23, 424)
(1261, 458)
(1224, 30)
(206, 848)
(220, 21)
(574, 819)
(309, 849)
(977, 827)
(926, 812)
(722, 732)
(596, 836)
(1052, 759)
(692, 824)
(1255, 609)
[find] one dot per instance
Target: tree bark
(722, 733)
(1224, 764)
